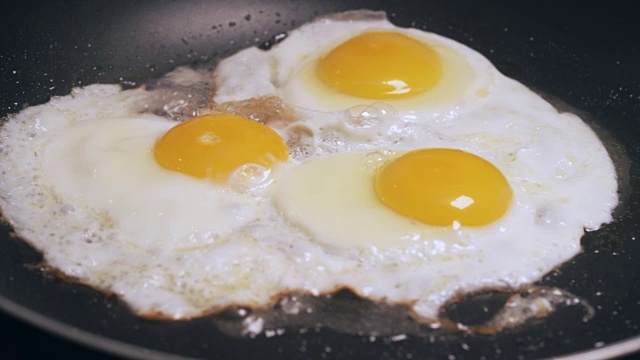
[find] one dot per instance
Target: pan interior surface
(582, 58)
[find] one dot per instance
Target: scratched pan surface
(586, 55)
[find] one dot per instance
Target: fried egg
(457, 184)
(357, 58)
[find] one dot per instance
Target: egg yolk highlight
(213, 146)
(380, 65)
(444, 186)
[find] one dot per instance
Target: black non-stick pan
(585, 56)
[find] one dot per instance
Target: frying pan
(587, 55)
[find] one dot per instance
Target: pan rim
(121, 348)
(83, 337)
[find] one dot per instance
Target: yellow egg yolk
(380, 65)
(444, 186)
(213, 146)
